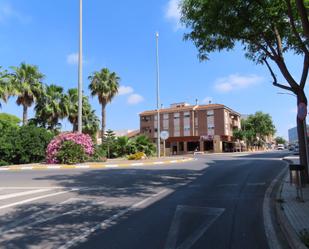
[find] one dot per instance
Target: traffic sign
(164, 135)
(302, 111)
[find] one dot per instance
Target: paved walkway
(296, 212)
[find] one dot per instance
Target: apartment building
(193, 127)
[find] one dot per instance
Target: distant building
(120, 133)
(293, 135)
(193, 127)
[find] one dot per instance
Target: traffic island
(105, 165)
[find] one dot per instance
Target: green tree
(5, 117)
(142, 143)
(50, 107)
(104, 84)
(109, 144)
(26, 82)
(90, 121)
(4, 87)
(280, 140)
(262, 124)
(267, 31)
(124, 146)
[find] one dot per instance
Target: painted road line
(63, 214)
(53, 167)
(82, 166)
(158, 163)
(35, 187)
(4, 169)
(26, 168)
(109, 221)
(112, 166)
(9, 196)
(256, 183)
(33, 199)
(137, 164)
(16, 225)
(173, 161)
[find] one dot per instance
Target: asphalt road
(215, 202)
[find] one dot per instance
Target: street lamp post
(80, 68)
(158, 95)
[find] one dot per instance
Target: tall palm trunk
(103, 120)
(25, 115)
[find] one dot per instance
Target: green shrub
(99, 154)
(26, 144)
(137, 156)
(71, 153)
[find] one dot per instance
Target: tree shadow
(100, 194)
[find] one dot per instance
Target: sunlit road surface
(213, 202)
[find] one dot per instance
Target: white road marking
(228, 185)
(158, 162)
(26, 168)
(33, 199)
(256, 183)
(4, 169)
(35, 187)
(82, 166)
(173, 161)
(111, 165)
(137, 164)
(108, 221)
(53, 167)
(13, 226)
(9, 196)
(210, 216)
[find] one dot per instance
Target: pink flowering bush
(54, 146)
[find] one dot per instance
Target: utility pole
(158, 95)
(80, 68)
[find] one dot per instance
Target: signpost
(164, 135)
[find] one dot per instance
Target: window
(210, 113)
(176, 115)
(165, 116)
(186, 114)
(146, 118)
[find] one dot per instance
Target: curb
(287, 229)
(91, 165)
(269, 225)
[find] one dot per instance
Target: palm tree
(26, 81)
(104, 84)
(5, 90)
(89, 119)
(51, 107)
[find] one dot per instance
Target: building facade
(193, 127)
(293, 135)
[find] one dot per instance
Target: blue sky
(120, 35)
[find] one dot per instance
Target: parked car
(296, 150)
(280, 147)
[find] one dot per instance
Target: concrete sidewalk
(293, 214)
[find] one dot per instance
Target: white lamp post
(80, 68)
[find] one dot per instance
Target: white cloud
(124, 90)
(135, 98)
(236, 82)
(206, 100)
(72, 59)
(7, 12)
(173, 13)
